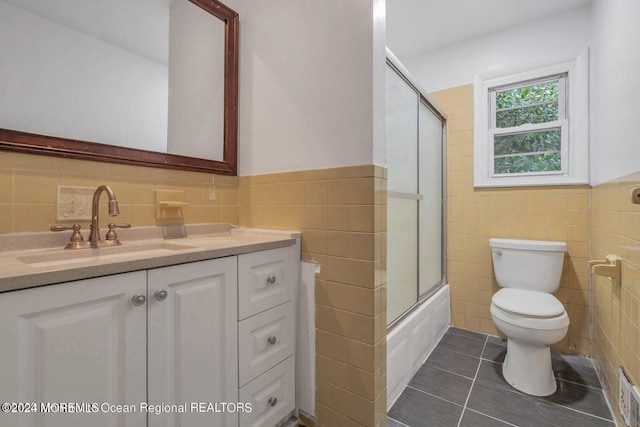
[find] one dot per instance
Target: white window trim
(575, 152)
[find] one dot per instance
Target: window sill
(534, 181)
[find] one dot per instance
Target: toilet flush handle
(498, 252)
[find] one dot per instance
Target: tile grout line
(399, 422)
(470, 337)
(454, 373)
(580, 384)
(540, 399)
(473, 381)
(572, 365)
(434, 395)
(557, 379)
(574, 410)
(493, 418)
(459, 352)
(475, 377)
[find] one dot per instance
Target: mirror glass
(110, 78)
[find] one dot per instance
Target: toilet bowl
(526, 311)
(532, 322)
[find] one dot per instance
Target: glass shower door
(414, 135)
(430, 206)
(402, 195)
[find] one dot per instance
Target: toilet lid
(527, 303)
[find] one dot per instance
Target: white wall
(99, 103)
(615, 90)
(309, 96)
(543, 42)
(611, 30)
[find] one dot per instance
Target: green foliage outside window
(534, 114)
(529, 104)
(537, 103)
(532, 163)
(529, 142)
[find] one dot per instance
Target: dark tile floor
(461, 385)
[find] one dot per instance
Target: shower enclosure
(418, 298)
(415, 202)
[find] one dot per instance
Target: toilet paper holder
(609, 267)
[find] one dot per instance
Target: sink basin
(72, 256)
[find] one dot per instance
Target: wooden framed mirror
(22, 132)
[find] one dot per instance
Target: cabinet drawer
(265, 279)
(271, 396)
(265, 340)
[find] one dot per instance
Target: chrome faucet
(94, 236)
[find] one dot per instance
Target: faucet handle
(111, 234)
(76, 241)
(75, 237)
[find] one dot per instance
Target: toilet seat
(529, 309)
(528, 303)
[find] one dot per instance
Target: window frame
(574, 126)
(562, 123)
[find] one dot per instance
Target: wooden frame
(56, 146)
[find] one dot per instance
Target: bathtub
(410, 342)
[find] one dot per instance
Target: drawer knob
(271, 280)
(161, 295)
(273, 401)
(139, 299)
(272, 340)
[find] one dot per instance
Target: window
(531, 128)
(528, 124)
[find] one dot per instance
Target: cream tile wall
(475, 215)
(341, 213)
(616, 307)
(28, 190)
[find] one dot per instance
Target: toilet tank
(533, 265)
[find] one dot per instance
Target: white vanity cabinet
(165, 336)
(77, 342)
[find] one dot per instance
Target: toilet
(525, 310)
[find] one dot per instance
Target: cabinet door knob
(271, 280)
(272, 340)
(273, 401)
(161, 295)
(138, 299)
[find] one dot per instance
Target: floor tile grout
(557, 379)
(399, 422)
(541, 399)
(582, 385)
(464, 408)
(433, 395)
(467, 336)
(450, 372)
(493, 418)
(459, 352)
(475, 378)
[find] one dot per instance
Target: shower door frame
(424, 98)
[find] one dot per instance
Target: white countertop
(26, 266)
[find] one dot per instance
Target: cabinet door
(80, 342)
(193, 343)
